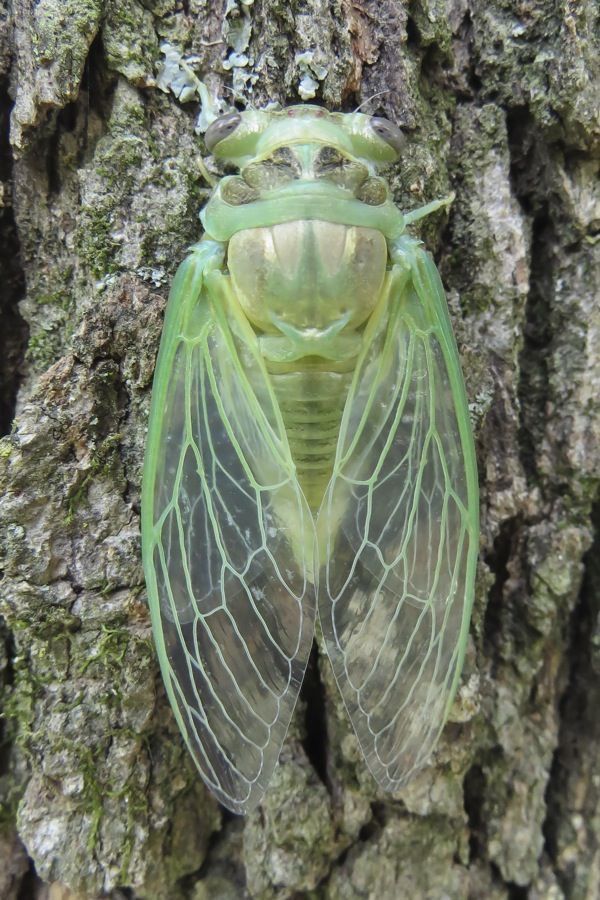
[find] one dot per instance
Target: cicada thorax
(307, 287)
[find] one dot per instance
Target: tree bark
(101, 190)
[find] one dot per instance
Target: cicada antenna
(372, 97)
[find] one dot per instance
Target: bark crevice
(572, 794)
(313, 695)
(13, 330)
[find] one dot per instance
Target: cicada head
(314, 163)
(239, 137)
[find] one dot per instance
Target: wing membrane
(227, 544)
(398, 526)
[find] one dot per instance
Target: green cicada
(309, 450)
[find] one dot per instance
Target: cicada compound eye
(388, 132)
(220, 129)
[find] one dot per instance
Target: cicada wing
(227, 539)
(398, 528)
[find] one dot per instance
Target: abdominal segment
(308, 288)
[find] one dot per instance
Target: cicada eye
(221, 128)
(388, 132)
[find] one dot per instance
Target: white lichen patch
(175, 78)
(312, 72)
(176, 74)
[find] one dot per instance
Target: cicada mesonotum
(309, 452)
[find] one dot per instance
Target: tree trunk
(101, 190)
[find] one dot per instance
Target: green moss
(544, 61)
(95, 793)
(110, 649)
(120, 158)
(56, 622)
(18, 704)
(61, 298)
(130, 42)
(92, 791)
(64, 30)
(10, 795)
(43, 348)
(485, 220)
(431, 20)
(110, 182)
(95, 244)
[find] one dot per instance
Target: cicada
(309, 454)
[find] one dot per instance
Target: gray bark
(101, 188)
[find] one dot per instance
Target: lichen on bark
(101, 190)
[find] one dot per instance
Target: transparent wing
(398, 527)
(227, 541)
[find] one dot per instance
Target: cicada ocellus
(309, 449)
